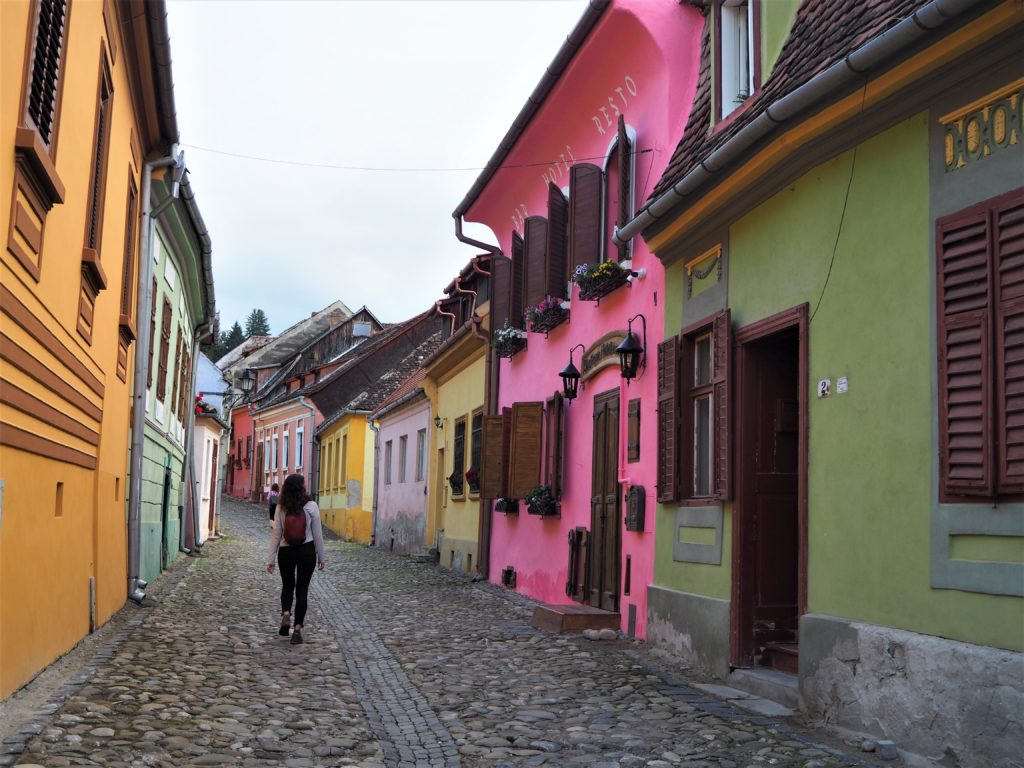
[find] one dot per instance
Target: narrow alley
(404, 664)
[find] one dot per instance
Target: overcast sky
(420, 84)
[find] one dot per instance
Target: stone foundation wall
(952, 702)
(693, 627)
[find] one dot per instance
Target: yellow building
(456, 380)
(346, 477)
(86, 101)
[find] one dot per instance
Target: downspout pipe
(376, 475)
(142, 354)
(437, 306)
(491, 373)
(313, 467)
(841, 75)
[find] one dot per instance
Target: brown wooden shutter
(506, 451)
(536, 236)
(585, 185)
(492, 466)
(501, 291)
(579, 549)
(554, 445)
(1009, 342)
(668, 420)
(128, 267)
(101, 143)
(165, 350)
(558, 242)
(964, 334)
(527, 429)
(625, 212)
(152, 337)
(722, 400)
(633, 431)
(178, 383)
(46, 67)
(518, 281)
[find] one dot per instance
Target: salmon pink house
(571, 460)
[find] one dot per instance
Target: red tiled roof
(823, 32)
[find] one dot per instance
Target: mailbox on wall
(635, 505)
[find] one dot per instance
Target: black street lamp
(571, 377)
(246, 381)
(631, 350)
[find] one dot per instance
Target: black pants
(300, 560)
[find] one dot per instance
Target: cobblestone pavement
(404, 664)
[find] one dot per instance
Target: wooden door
(257, 472)
(769, 450)
(605, 511)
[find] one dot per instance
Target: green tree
(234, 337)
(257, 324)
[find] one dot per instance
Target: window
(343, 468)
(165, 350)
(266, 454)
(518, 292)
(37, 187)
(421, 455)
(178, 381)
(980, 300)
(273, 452)
(126, 325)
(152, 335)
(299, 445)
(694, 443)
(618, 194)
(248, 450)
(736, 65)
(457, 479)
(325, 473)
(387, 463)
(285, 439)
(476, 437)
(403, 447)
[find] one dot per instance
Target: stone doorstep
(573, 618)
(768, 684)
(746, 701)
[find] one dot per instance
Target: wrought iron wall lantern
(571, 377)
(438, 421)
(246, 381)
(633, 353)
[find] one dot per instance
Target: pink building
(238, 480)
(583, 155)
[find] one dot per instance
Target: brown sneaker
(296, 636)
(286, 624)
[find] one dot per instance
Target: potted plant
(540, 501)
(455, 481)
(547, 315)
(508, 506)
(508, 341)
(473, 479)
(599, 279)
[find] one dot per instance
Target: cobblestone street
(404, 664)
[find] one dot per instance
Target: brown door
(605, 523)
(257, 473)
(768, 450)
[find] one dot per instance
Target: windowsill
(724, 122)
(28, 145)
(700, 501)
(93, 270)
(127, 328)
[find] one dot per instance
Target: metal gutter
(160, 42)
(551, 76)
(205, 244)
(842, 74)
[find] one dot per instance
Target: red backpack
(295, 528)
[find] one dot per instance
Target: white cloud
(383, 84)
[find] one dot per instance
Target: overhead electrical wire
(382, 169)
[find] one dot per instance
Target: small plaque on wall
(635, 505)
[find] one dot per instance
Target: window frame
(457, 478)
(476, 432)
(720, 115)
(275, 442)
(286, 439)
(300, 433)
(403, 456)
(388, 455)
(421, 455)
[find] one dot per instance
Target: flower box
(546, 316)
(508, 506)
(473, 480)
(508, 342)
(455, 481)
(598, 280)
(540, 502)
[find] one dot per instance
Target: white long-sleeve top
(314, 532)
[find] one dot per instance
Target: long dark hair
(293, 494)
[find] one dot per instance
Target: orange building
(86, 102)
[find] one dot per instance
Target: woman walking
(298, 544)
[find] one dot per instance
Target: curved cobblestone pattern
(405, 664)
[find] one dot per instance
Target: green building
(841, 385)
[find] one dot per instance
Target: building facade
(75, 139)
(610, 112)
(844, 303)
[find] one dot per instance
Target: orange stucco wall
(46, 559)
